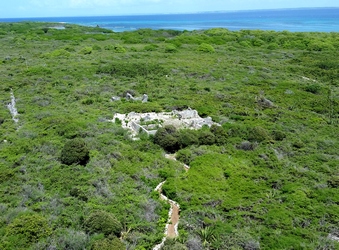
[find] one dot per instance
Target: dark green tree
(102, 222)
(75, 152)
(219, 133)
(206, 138)
(108, 244)
(29, 228)
(167, 138)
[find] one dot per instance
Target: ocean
(295, 20)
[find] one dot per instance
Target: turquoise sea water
(312, 19)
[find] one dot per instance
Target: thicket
(102, 222)
(171, 139)
(267, 178)
(75, 151)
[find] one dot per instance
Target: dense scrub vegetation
(267, 178)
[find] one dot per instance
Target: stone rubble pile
(150, 122)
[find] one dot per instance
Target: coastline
(294, 20)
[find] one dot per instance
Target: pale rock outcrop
(150, 122)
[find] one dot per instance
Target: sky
(61, 8)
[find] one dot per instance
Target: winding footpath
(12, 108)
(171, 228)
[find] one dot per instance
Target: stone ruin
(150, 122)
(143, 99)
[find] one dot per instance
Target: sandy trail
(172, 231)
(171, 228)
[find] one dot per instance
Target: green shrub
(334, 181)
(102, 222)
(69, 48)
(96, 47)
(273, 46)
(172, 244)
(109, 47)
(86, 50)
(170, 48)
(297, 143)
(187, 138)
(184, 155)
(108, 244)
(247, 146)
(257, 42)
(166, 138)
(38, 70)
(59, 53)
(219, 133)
(278, 135)
(206, 137)
(29, 227)
(6, 174)
(258, 134)
(78, 193)
(119, 49)
(205, 47)
(133, 69)
(313, 88)
(151, 47)
(75, 152)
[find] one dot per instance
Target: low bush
(151, 47)
(258, 134)
(133, 69)
(313, 88)
(102, 222)
(78, 193)
(30, 228)
(166, 138)
(171, 244)
(170, 48)
(86, 51)
(108, 244)
(206, 138)
(219, 133)
(334, 181)
(184, 155)
(75, 152)
(187, 137)
(246, 145)
(205, 47)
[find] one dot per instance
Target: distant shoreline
(294, 20)
(176, 13)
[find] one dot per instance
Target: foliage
(171, 244)
(108, 244)
(86, 50)
(132, 69)
(171, 48)
(117, 48)
(166, 138)
(266, 178)
(29, 228)
(205, 47)
(102, 222)
(75, 151)
(219, 133)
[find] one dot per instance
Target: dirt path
(171, 228)
(172, 157)
(12, 108)
(172, 231)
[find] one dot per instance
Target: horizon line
(174, 13)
